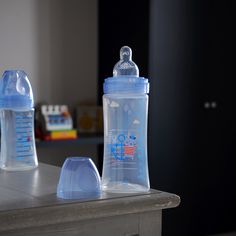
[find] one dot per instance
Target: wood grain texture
(28, 205)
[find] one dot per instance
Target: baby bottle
(17, 122)
(125, 107)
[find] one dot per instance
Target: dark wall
(122, 24)
(191, 101)
(184, 47)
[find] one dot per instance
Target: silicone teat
(125, 67)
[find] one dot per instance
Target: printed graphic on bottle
(122, 145)
(24, 136)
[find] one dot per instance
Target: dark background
(185, 48)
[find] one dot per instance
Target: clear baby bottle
(18, 150)
(125, 107)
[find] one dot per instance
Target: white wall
(18, 44)
(55, 42)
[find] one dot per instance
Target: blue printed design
(123, 146)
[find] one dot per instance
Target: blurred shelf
(82, 139)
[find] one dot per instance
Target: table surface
(31, 195)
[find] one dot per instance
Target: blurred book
(89, 119)
(61, 134)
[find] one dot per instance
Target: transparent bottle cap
(125, 67)
(15, 90)
(79, 179)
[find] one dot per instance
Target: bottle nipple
(125, 67)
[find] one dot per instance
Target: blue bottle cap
(15, 91)
(79, 179)
(126, 76)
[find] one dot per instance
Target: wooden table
(29, 206)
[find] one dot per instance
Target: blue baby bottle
(18, 150)
(125, 107)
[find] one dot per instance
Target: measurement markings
(23, 139)
(24, 127)
(25, 155)
(23, 144)
(23, 149)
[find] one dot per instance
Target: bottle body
(18, 151)
(125, 163)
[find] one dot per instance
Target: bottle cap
(79, 179)
(126, 76)
(15, 91)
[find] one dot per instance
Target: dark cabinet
(185, 48)
(191, 148)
